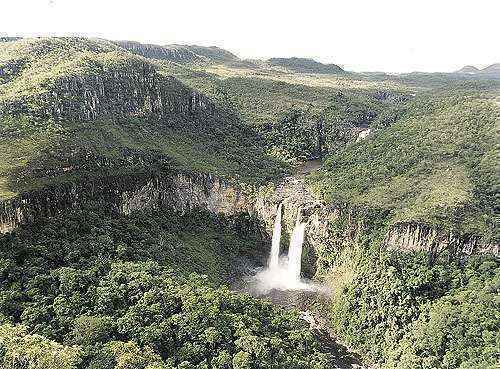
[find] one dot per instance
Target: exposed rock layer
(179, 191)
(178, 53)
(329, 227)
(134, 91)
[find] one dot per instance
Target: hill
(468, 69)
(72, 108)
(179, 53)
(303, 65)
(434, 165)
(492, 71)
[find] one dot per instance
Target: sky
(360, 35)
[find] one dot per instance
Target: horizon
(383, 31)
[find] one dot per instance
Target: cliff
(331, 227)
(179, 53)
(304, 65)
(110, 85)
(80, 108)
(176, 190)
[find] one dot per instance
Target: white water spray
(275, 247)
(295, 250)
(283, 273)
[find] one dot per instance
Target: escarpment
(178, 53)
(173, 191)
(332, 227)
(133, 89)
(418, 237)
(125, 136)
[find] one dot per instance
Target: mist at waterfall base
(283, 272)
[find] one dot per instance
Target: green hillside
(77, 107)
(179, 53)
(149, 290)
(303, 65)
(437, 164)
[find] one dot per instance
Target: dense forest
(160, 161)
(436, 164)
(140, 292)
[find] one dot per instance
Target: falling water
(281, 280)
(283, 273)
(275, 247)
(295, 250)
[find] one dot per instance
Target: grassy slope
(437, 164)
(36, 150)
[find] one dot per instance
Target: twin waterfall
(295, 250)
(283, 272)
(287, 271)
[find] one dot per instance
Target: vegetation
(298, 122)
(103, 291)
(435, 165)
(301, 65)
(93, 289)
(430, 161)
(37, 148)
(404, 313)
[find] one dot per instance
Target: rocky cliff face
(321, 236)
(418, 237)
(137, 90)
(331, 228)
(179, 191)
(179, 53)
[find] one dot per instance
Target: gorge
(176, 207)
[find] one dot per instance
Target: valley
(177, 207)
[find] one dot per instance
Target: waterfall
(295, 250)
(284, 273)
(275, 247)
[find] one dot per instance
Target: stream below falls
(281, 283)
(303, 300)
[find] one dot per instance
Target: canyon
(186, 191)
(140, 185)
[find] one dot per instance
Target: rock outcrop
(179, 53)
(329, 227)
(419, 237)
(178, 191)
(131, 91)
(332, 227)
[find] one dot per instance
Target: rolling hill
(468, 69)
(302, 65)
(491, 71)
(73, 107)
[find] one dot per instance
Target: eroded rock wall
(330, 228)
(130, 90)
(419, 237)
(179, 191)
